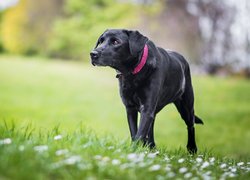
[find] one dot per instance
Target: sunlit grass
(82, 155)
(66, 94)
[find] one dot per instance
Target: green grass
(46, 94)
(82, 155)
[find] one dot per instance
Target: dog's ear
(136, 42)
(98, 41)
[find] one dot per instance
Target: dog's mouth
(118, 68)
(98, 64)
(95, 62)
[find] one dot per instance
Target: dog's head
(119, 49)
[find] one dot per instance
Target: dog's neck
(141, 63)
(143, 60)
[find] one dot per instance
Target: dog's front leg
(132, 115)
(150, 139)
(146, 121)
(148, 104)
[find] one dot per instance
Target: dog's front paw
(138, 140)
(151, 145)
(192, 149)
(143, 142)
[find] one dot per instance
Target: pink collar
(142, 61)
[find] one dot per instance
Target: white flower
(188, 175)
(58, 137)
(183, 170)
(240, 163)
(56, 165)
(110, 147)
(132, 156)
(223, 176)
(208, 173)
(136, 157)
(124, 166)
(206, 177)
(84, 166)
(21, 148)
(205, 164)
(199, 160)
(232, 175)
(41, 148)
(167, 168)
(159, 177)
(171, 174)
(167, 158)
(5, 141)
(141, 157)
(181, 160)
(116, 162)
(222, 166)
(155, 167)
(61, 152)
(105, 159)
(212, 159)
(98, 157)
(142, 164)
(118, 150)
(152, 155)
(72, 160)
(86, 144)
(233, 170)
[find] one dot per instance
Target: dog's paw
(192, 149)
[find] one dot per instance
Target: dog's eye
(101, 40)
(115, 42)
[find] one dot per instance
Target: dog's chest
(131, 95)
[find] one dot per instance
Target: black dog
(149, 78)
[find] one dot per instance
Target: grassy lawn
(81, 155)
(46, 94)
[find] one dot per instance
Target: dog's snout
(94, 54)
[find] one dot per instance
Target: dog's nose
(94, 54)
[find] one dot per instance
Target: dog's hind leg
(185, 106)
(187, 115)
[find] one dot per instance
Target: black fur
(164, 79)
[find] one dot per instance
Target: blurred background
(214, 34)
(46, 78)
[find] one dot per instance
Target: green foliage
(75, 34)
(65, 29)
(26, 27)
(14, 23)
(1, 43)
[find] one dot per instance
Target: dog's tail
(198, 120)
